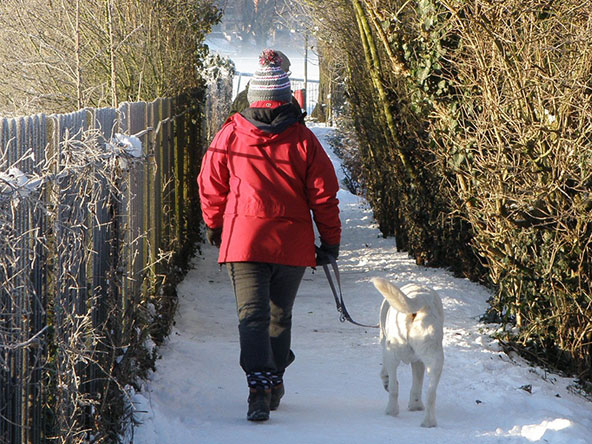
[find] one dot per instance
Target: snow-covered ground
(333, 391)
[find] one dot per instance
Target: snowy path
(334, 393)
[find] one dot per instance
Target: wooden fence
(86, 239)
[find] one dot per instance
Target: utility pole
(305, 69)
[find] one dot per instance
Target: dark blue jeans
(265, 296)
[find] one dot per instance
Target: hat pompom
(270, 58)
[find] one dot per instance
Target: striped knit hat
(270, 81)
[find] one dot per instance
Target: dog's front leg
(418, 370)
(434, 370)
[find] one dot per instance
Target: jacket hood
(274, 120)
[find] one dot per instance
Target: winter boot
(259, 395)
(259, 404)
(277, 389)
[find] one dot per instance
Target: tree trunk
(374, 67)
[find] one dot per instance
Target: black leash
(343, 314)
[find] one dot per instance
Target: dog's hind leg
(434, 371)
(390, 364)
(418, 370)
(385, 378)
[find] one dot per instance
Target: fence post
(167, 216)
(36, 139)
(179, 167)
(154, 192)
(193, 156)
(134, 243)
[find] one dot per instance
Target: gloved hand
(325, 252)
(214, 236)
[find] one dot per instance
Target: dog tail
(397, 299)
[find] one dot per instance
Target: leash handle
(343, 313)
(338, 304)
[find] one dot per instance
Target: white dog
(411, 330)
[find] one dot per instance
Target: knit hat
(285, 64)
(270, 81)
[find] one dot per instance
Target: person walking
(262, 177)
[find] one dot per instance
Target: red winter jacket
(260, 180)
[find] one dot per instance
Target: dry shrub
(62, 55)
(387, 57)
(473, 126)
(522, 156)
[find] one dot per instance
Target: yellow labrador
(411, 331)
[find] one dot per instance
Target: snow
(11, 180)
(131, 145)
(334, 394)
(17, 184)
